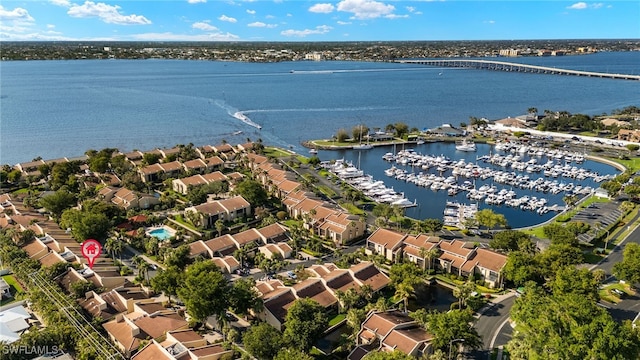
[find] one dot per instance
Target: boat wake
(236, 113)
(362, 108)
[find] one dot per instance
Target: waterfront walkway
(515, 67)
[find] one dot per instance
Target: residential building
(225, 210)
(385, 242)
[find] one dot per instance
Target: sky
(304, 20)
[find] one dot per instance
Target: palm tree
(404, 290)
(463, 291)
(219, 224)
(114, 246)
(430, 254)
(143, 270)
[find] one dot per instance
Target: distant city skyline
(302, 20)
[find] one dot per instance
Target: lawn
(327, 191)
(15, 289)
(276, 152)
(337, 319)
(632, 164)
(607, 295)
(352, 209)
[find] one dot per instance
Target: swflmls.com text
(28, 350)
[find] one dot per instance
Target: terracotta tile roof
(340, 280)
(235, 203)
(223, 148)
(150, 308)
(152, 351)
(220, 243)
(51, 259)
(34, 247)
(210, 208)
(368, 274)
(422, 240)
(288, 186)
(278, 305)
(455, 261)
(382, 323)
(152, 169)
(388, 238)
(187, 335)
(315, 289)
(257, 159)
(407, 339)
(194, 180)
(122, 332)
(214, 161)
(214, 176)
(92, 306)
(133, 155)
(235, 176)
(274, 232)
(456, 247)
(172, 166)
(197, 248)
(307, 204)
(209, 350)
(319, 270)
(156, 326)
(247, 236)
(489, 260)
(267, 287)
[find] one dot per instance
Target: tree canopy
(263, 341)
(304, 324)
(252, 191)
(629, 268)
(205, 291)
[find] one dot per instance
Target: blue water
(63, 108)
(161, 234)
(54, 109)
(431, 203)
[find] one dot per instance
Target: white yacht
(466, 145)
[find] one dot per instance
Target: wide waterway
(63, 108)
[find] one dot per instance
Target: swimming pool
(162, 233)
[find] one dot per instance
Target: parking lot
(598, 216)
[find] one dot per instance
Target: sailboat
(362, 146)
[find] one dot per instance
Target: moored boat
(465, 145)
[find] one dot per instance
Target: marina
(515, 180)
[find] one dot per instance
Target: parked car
(618, 292)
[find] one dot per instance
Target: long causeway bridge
(515, 67)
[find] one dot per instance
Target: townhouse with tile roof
(454, 256)
(182, 345)
(160, 171)
(225, 210)
(183, 185)
(390, 331)
(322, 287)
(128, 199)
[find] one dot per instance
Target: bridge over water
(515, 67)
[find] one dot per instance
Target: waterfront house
(134, 157)
(385, 242)
(128, 199)
(417, 247)
(184, 185)
(453, 255)
(225, 210)
(214, 163)
(341, 227)
(391, 330)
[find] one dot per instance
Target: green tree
(432, 225)
(178, 257)
(355, 317)
(244, 297)
(58, 202)
(522, 267)
(219, 225)
(205, 291)
(559, 234)
(150, 158)
(384, 355)
(292, 354)
(262, 341)
(463, 291)
(510, 240)
(114, 246)
(558, 256)
(168, 281)
(629, 268)
(252, 191)
(489, 219)
(404, 291)
(449, 326)
(86, 225)
(570, 280)
(342, 135)
(304, 324)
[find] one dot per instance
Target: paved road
(493, 326)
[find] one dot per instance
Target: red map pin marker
(91, 249)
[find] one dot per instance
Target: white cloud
(270, 17)
(322, 29)
(65, 3)
(490, 22)
(196, 1)
(109, 14)
(583, 5)
(322, 8)
(252, 12)
(344, 22)
(51, 26)
(17, 14)
(365, 9)
(410, 8)
(260, 24)
(227, 19)
(394, 16)
(168, 36)
(578, 6)
(203, 25)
